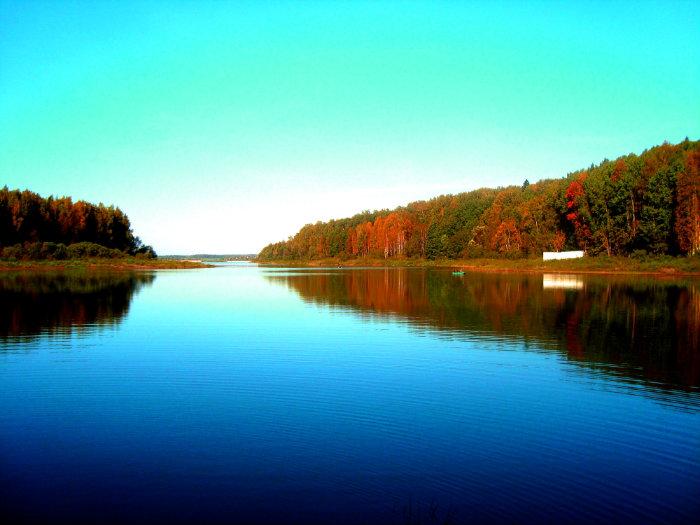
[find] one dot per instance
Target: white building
(553, 256)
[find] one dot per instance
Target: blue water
(243, 395)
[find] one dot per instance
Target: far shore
(126, 264)
(662, 266)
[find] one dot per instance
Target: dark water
(245, 395)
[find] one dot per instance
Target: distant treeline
(214, 257)
(34, 227)
(636, 204)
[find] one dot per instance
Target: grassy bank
(662, 265)
(127, 263)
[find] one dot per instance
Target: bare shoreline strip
(681, 267)
(101, 264)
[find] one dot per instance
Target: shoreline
(659, 266)
(127, 264)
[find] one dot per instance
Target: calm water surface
(247, 395)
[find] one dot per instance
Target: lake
(240, 394)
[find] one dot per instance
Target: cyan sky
(223, 126)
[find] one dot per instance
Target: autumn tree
(687, 214)
(577, 212)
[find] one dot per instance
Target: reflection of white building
(553, 256)
(557, 280)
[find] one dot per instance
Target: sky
(220, 127)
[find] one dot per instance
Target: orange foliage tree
(687, 224)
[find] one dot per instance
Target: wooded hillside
(29, 221)
(648, 203)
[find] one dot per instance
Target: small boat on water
(458, 272)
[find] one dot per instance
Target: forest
(633, 205)
(34, 227)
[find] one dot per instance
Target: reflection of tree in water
(32, 304)
(633, 328)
